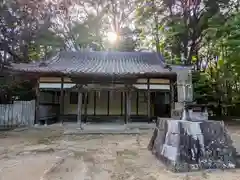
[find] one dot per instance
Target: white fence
(20, 113)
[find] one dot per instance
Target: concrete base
(186, 146)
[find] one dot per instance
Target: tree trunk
(157, 35)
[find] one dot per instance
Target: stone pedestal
(186, 146)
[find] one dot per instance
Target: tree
(149, 18)
(203, 34)
(120, 19)
(79, 23)
(181, 23)
(222, 65)
(21, 23)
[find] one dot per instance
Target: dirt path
(46, 154)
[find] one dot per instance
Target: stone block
(187, 146)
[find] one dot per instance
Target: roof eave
(169, 75)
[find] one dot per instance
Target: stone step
(101, 131)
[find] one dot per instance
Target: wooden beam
(148, 101)
(62, 100)
(79, 112)
(102, 80)
(54, 80)
(103, 89)
(37, 102)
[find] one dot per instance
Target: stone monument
(192, 142)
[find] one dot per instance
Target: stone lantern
(186, 96)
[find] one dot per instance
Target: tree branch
(5, 47)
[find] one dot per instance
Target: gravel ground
(47, 154)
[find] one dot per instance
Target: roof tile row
(104, 63)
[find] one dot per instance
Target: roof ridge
(107, 52)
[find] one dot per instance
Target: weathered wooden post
(79, 112)
(62, 100)
(148, 101)
(85, 105)
(37, 102)
(128, 105)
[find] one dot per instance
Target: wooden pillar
(108, 102)
(53, 97)
(94, 102)
(148, 101)
(85, 105)
(128, 106)
(122, 103)
(37, 101)
(79, 112)
(137, 104)
(172, 103)
(125, 107)
(62, 100)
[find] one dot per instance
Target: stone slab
(106, 131)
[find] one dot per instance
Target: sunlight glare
(112, 37)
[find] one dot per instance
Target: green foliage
(85, 34)
(22, 25)
(128, 40)
(223, 72)
(12, 89)
(207, 35)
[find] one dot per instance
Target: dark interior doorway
(161, 104)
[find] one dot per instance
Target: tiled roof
(99, 63)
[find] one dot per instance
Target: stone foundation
(186, 146)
